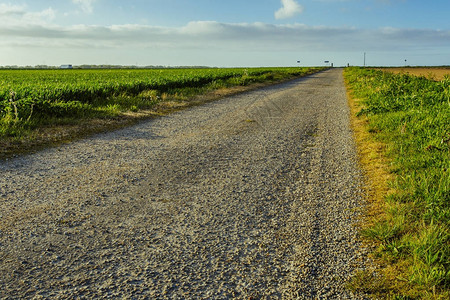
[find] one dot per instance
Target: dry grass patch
(371, 158)
(431, 73)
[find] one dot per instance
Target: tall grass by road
(410, 116)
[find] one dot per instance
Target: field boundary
(401, 134)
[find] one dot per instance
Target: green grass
(411, 116)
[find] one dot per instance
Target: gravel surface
(253, 196)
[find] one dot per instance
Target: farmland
(34, 100)
(404, 139)
(437, 73)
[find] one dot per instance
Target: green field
(33, 99)
(411, 116)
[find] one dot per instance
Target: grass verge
(23, 133)
(402, 129)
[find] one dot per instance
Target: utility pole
(364, 59)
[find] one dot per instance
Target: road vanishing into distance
(254, 196)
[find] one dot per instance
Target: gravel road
(254, 196)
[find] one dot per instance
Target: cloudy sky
(224, 33)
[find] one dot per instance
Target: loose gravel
(254, 196)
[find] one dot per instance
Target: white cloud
(11, 10)
(289, 9)
(214, 35)
(47, 15)
(19, 16)
(86, 6)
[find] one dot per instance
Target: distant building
(66, 67)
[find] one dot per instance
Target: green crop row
(52, 91)
(411, 115)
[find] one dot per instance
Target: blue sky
(224, 33)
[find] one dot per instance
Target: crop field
(35, 99)
(409, 117)
(24, 93)
(432, 73)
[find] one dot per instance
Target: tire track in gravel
(252, 196)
